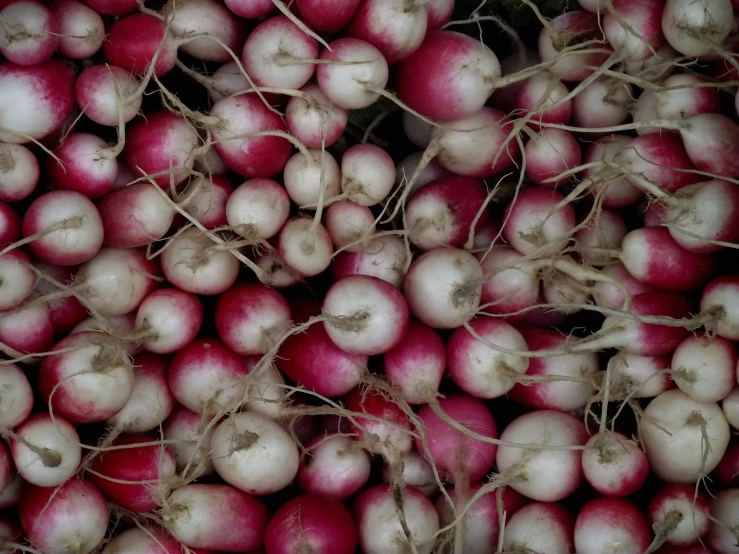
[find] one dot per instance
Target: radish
(206, 200)
(367, 174)
(306, 179)
(639, 376)
(314, 119)
(254, 454)
(69, 519)
(712, 143)
(633, 28)
(334, 466)
(134, 477)
(395, 31)
(133, 41)
(28, 328)
(407, 169)
(576, 371)
(544, 98)
(238, 117)
(459, 457)
(570, 29)
(730, 407)
(167, 320)
(614, 465)
(90, 380)
(550, 153)
(721, 296)
(350, 225)
(10, 224)
(81, 29)
(210, 163)
(11, 494)
(96, 94)
(7, 465)
(453, 272)
(543, 474)
(16, 396)
(327, 17)
(117, 280)
(416, 472)
(416, 365)
(9, 532)
(724, 509)
(615, 189)
(382, 257)
(504, 98)
(513, 283)
(656, 67)
(251, 318)
(215, 517)
(228, 80)
(530, 228)
(449, 77)
(379, 529)
(19, 172)
(46, 451)
(277, 274)
(30, 33)
(90, 165)
(704, 367)
(695, 29)
(388, 432)
(606, 230)
(685, 96)
(250, 9)
(311, 523)
(112, 7)
(540, 527)
(727, 471)
(16, 279)
(603, 103)
(151, 401)
(439, 13)
(205, 17)
(481, 370)
(35, 101)
(684, 439)
(610, 525)
(608, 295)
(312, 360)
(359, 77)
(305, 245)
(680, 514)
(152, 540)
(267, 394)
(189, 441)
(645, 109)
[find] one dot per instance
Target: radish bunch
(344, 276)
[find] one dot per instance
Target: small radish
(606, 230)
(725, 519)
(152, 540)
(614, 465)
(513, 283)
(88, 165)
(704, 367)
(721, 296)
(250, 9)
(16, 396)
(81, 29)
(387, 432)
(680, 514)
(167, 320)
(685, 96)
(277, 274)
(335, 466)
(112, 7)
(549, 153)
(313, 119)
(30, 33)
(712, 143)
(133, 41)
(730, 407)
(100, 90)
(189, 441)
(367, 174)
(639, 376)
(19, 172)
(609, 526)
(258, 209)
(10, 224)
(540, 527)
(382, 257)
(307, 178)
(603, 103)
(16, 279)
(616, 191)
(416, 472)
(727, 471)
(266, 393)
(608, 295)
(505, 97)
(327, 17)
(305, 245)
(696, 29)
(28, 328)
(407, 168)
(350, 225)
(205, 17)
(633, 28)
(544, 98)
(656, 67)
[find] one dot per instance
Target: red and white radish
(639, 376)
(633, 28)
(550, 153)
(205, 17)
(680, 514)
(610, 525)
(333, 465)
(315, 120)
(367, 174)
(307, 180)
(387, 431)
(30, 33)
(188, 438)
(81, 29)
(16, 396)
(133, 41)
(540, 527)
(704, 367)
(696, 29)
(614, 465)
(416, 472)
(167, 320)
(102, 90)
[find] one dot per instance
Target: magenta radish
(305, 245)
(544, 98)
(35, 101)
(96, 94)
(724, 509)
(206, 200)
(636, 33)
(443, 287)
(378, 526)
(614, 465)
(258, 156)
(27, 329)
(513, 283)
(550, 153)
(205, 376)
(712, 143)
(479, 369)
(19, 172)
(684, 439)
(250, 9)
(167, 320)
(569, 29)
(350, 225)
(307, 180)
(381, 257)
(327, 17)
(639, 376)
(416, 472)
(89, 165)
(134, 477)
(443, 212)
(540, 527)
(696, 29)
(458, 457)
(16, 279)
(90, 380)
(251, 318)
(205, 17)
(530, 228)
(543, 474)
(10, 224)
(315, 120)
(609, 525)
(449, 77)
(258, 209)
(254, 454)
(680, 514)
(236, 525)
(152, 540)
(133, 41)
(151, 401)
(608, 295)
(603, 103)
(193, 263)
(573, 375)
(357, 80)
(397, 33)
(112, 7)
(721, 296)
(311, 523)
(189, 441)
(311, 359)
(616, 190)
(16, 396)
(81, 29)
(387, 432)
(416, 365)
(70, 518)
(685, 96)
(335, 466)
(279, 54)
(705, 367)
(439, 13)
(367, 174)
(30, 33)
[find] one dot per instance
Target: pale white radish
(680, 513)
(315, 120)
(16, 279)
(277, 273)
(81, 29)
(685, 95)
(730, 407)
(189, 436)
(16, 396)
(167, 320)
(705, 367)
(350, 225)
(603, 103)
(367, 174)
(540, 527)
(307, 181)
(267, 394)
(721, 295)
(305, 246)
(513, 283)
(610, 526)
(382, 257)
(696, 28)
(258, 209)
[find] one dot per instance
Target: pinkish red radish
(544, 98)
(308, 179)
(387, 432)
(27, 329)
(205, 17)
(614, 465)
(381, 257)
(250, 9)
(258, 209)
(16, 396)
(721, 296)
(10, 224)
(639, 376)
(81, 29)
(680, 514)
(133, 41)
(367, 174)
(16, 279)
(606, 230)
(315, 120)
(188, 439)
(550, 153)
(327, 16)
(89, 165)
(30, 33)
(607, 525)
(686, 95)
(112, 7)
(277, 273)
(540, 527)
(335, 466)
(96, 94)
(633, 28)
(712, 143)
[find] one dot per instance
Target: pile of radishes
(230, 321)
